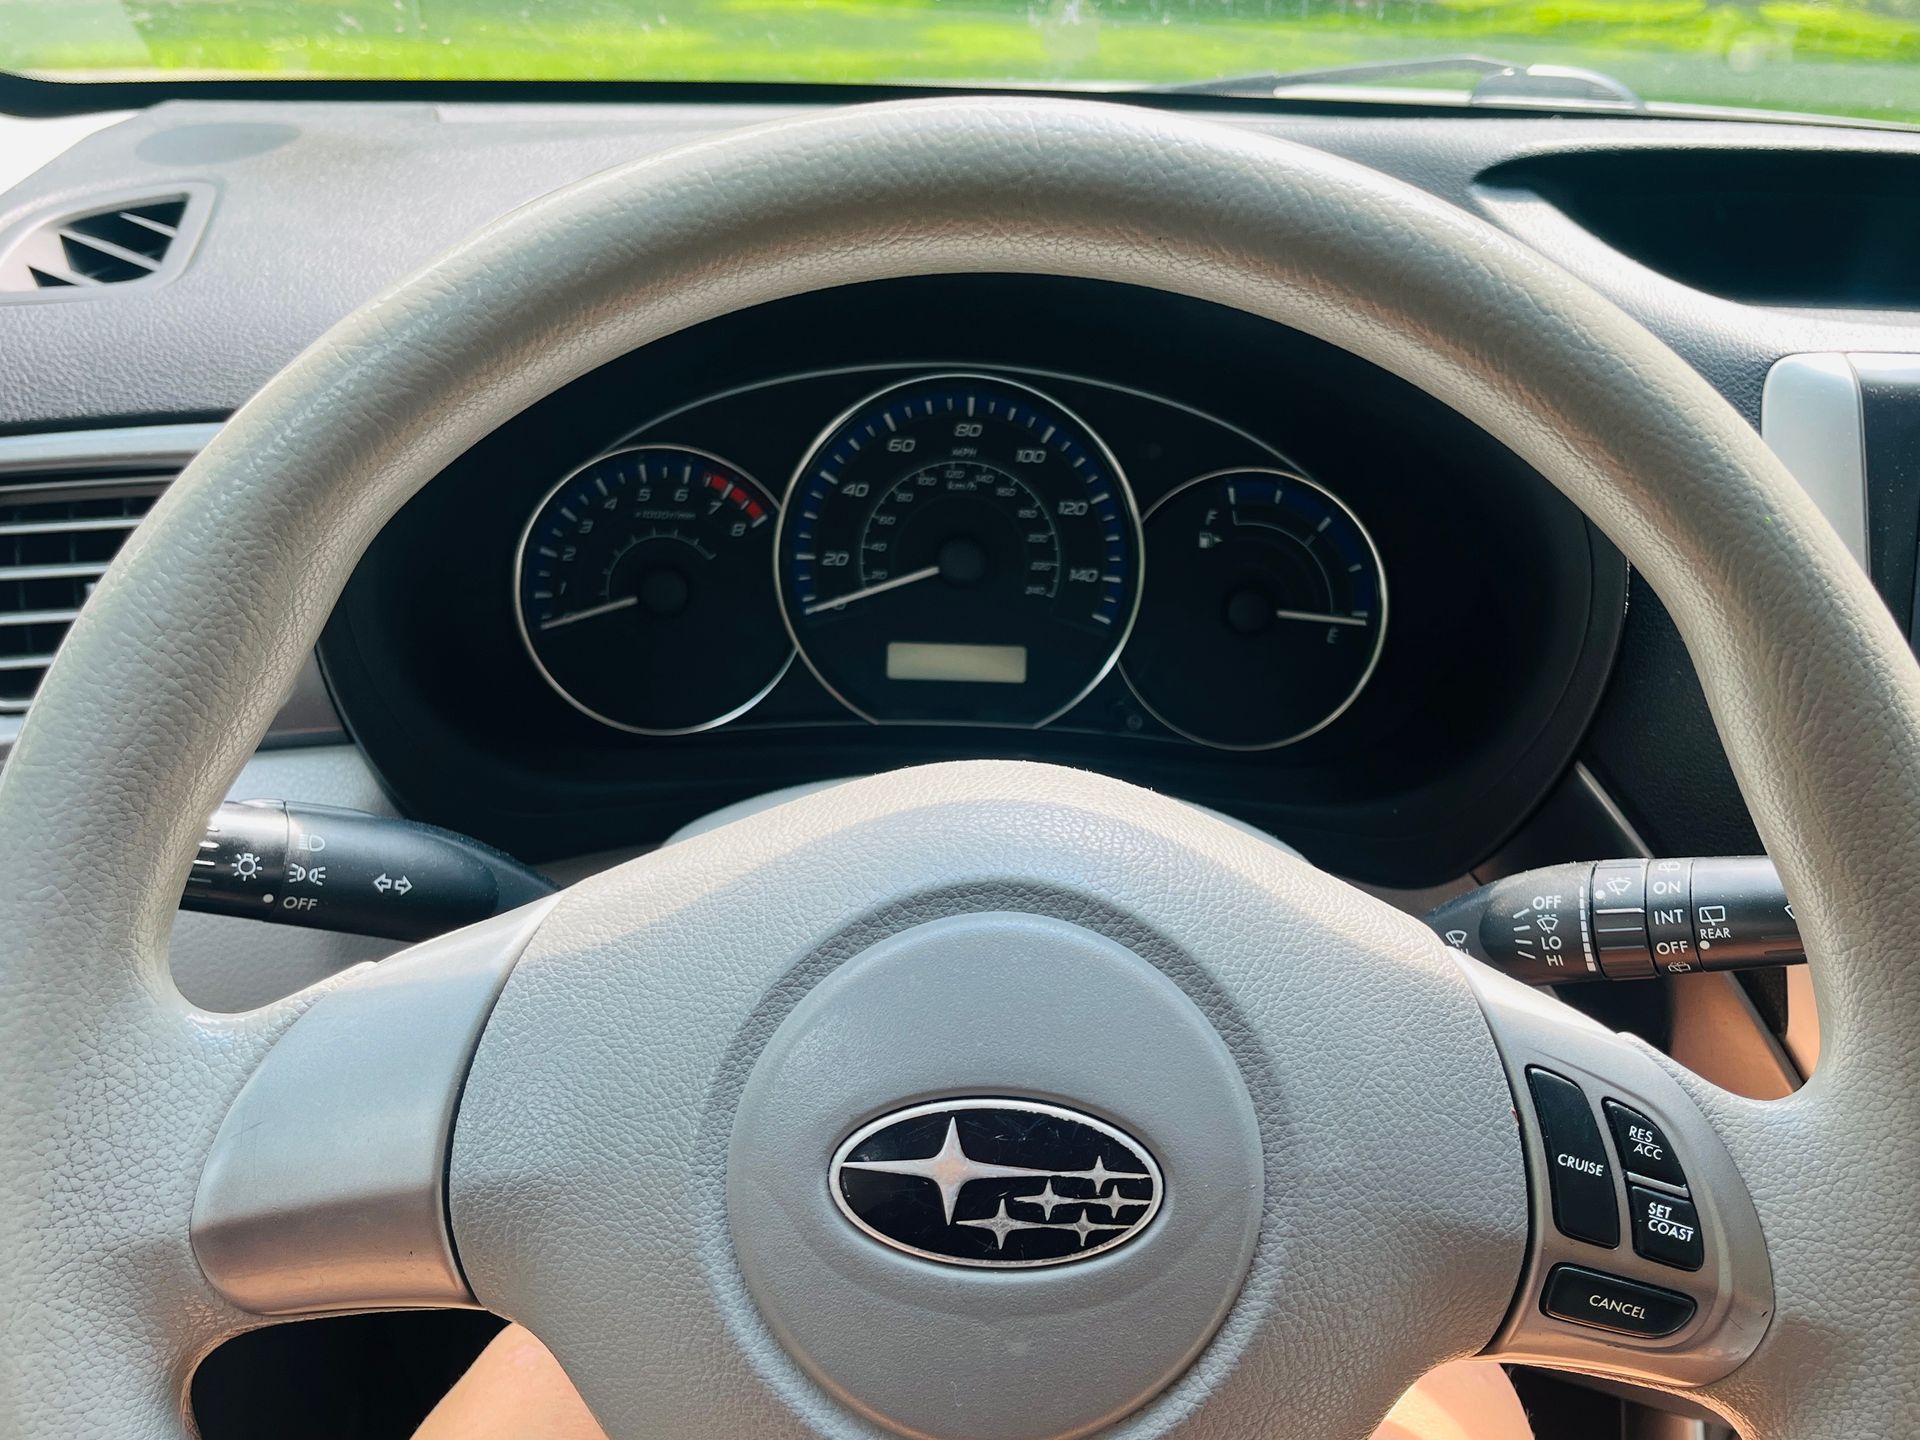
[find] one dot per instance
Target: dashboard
(984, 515)
(1514, 653)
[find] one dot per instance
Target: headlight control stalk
(1627, 920)
(328, 869)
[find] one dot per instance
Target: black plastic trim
(1422, 778)
(37, 97)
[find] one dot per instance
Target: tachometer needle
(885, 585)
(590, 613)
(1316, 618)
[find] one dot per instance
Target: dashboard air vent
(67, 504)
(140, 238)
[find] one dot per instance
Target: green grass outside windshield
(1842, 57)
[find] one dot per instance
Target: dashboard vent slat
(21, 574)
(39, 617)
(142, 238)
(102, 260)
(61, 527)
(67, 505)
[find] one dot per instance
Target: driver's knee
(515, 1390)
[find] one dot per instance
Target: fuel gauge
(1264, 610)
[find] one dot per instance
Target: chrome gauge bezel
(520, 614)
(1123, 487)
(1379, 640)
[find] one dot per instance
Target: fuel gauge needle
(593, 612)
(1313, 617)
(885, 585)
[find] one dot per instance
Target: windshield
(1834, 57)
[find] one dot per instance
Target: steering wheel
(617, 1116)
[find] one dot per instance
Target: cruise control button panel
(1682, 1292)
(1643, 1145)
(1580, 1174)
(1666, 1228)
(1607, 1302)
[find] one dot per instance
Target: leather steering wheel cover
(171, 676)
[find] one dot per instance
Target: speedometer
(959, 548)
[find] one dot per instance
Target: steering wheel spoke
(325, 1187)
(1646, 1259)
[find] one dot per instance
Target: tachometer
(959, 548)
(1266, 612)
(645, 590)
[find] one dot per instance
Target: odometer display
(959, 549)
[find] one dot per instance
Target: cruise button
(1666, 1228)
(1644, 1147)
(1579, 1173)
(1606, 1302)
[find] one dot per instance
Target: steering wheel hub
(689, 1044)
(988, 1012)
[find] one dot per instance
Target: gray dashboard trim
(137, 447)
(1894, 369)
(308, 716)
(28, 144)
(326, 1185)
(16, 288)
(1811, 415)
(308, 228)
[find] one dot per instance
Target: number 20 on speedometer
(959, 548)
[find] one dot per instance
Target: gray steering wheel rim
(173, 673)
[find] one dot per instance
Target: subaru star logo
(1001, 1184)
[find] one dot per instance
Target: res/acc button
(1644, 1147)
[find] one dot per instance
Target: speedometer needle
(590, 613)
(1319, 619)
(885, 585)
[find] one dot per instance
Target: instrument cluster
(957, 548)
(983, 516)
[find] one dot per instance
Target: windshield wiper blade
(1501, 81)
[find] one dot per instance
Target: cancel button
(1587, 1297)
